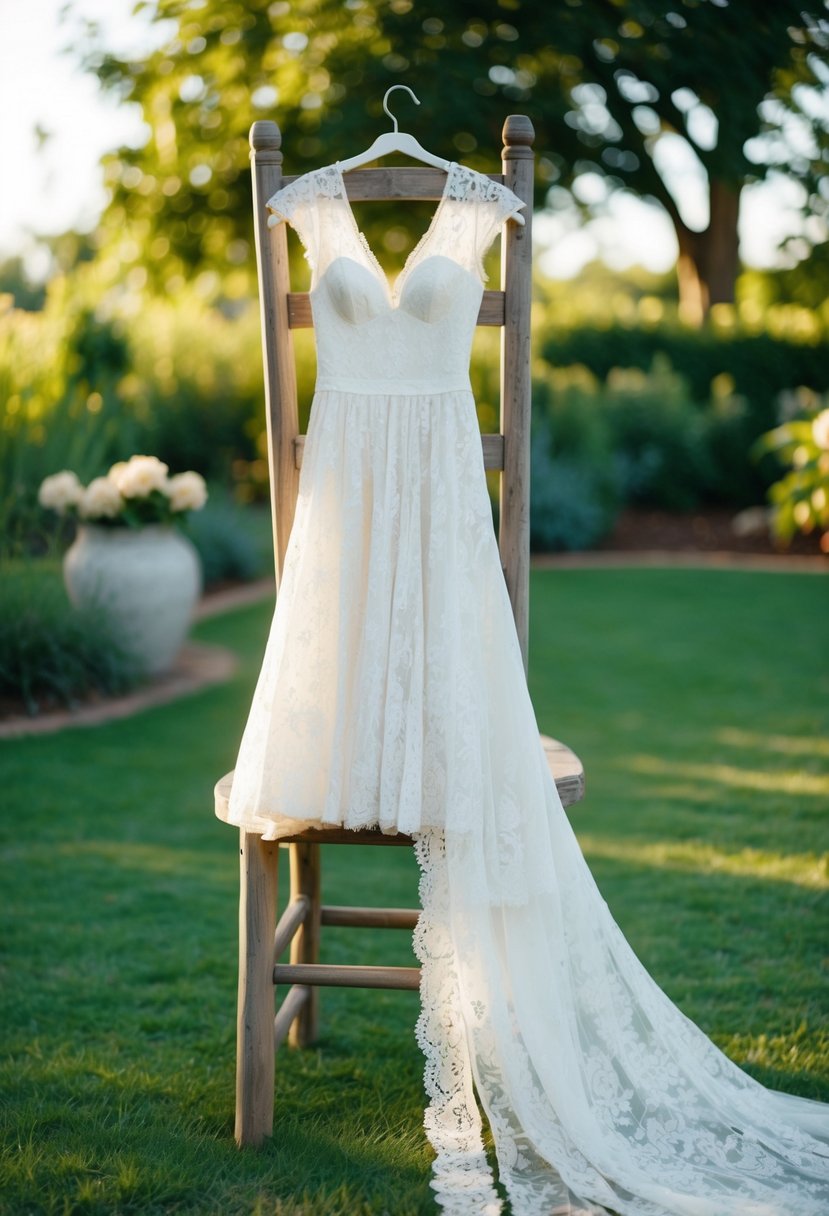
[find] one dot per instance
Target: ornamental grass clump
(50, 652)
(134, 493)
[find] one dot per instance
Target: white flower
(101, 500)
(186, 492)
(60, 491)
(820, 429)
(140, 476)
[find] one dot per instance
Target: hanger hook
(386, 98)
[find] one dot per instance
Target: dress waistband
(395, 386)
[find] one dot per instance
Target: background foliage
(147, 336)
(602, 82)
(626, 410)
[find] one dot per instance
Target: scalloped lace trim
(462, 1179)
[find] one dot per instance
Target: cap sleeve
(497, 205)
(296, 203)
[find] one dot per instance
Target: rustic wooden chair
(261, 941)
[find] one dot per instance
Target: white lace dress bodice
(414, 336)
(392, 693)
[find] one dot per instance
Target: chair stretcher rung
(294, 915)
(325, 975)
(369, 918)
(290, 1008)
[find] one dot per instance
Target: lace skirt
(392, 663)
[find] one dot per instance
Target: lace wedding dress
(392, 692)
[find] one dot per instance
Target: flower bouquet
(134, 493)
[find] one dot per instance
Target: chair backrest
(282, 310)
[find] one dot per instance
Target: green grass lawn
(699, 703)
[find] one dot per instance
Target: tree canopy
(741, 88)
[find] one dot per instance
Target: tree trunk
(693, 291)
(708, 262)
(722, 261)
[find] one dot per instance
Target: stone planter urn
(145, 580)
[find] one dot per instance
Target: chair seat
(565, 767)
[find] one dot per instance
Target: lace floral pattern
(392, 692)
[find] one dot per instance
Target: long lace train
(602, 1096)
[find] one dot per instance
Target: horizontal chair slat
(290, 1008)
(492, 445)
(490, 313)
(326, 975)
(369, 918)
(393, 182)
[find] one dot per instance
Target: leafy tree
(806, 284)
(15, 281)
(605, 82)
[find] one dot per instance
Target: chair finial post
(518, 135)
(265, 140)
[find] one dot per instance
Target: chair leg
(255, 1011)
(305, 947)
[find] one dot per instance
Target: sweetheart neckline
(392, 308)
(393, 289)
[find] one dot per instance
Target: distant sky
(50, 184)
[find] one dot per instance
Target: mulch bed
(708, 531)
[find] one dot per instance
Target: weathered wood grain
(290, 1009)
(254, 1033)
(328, 975)
(516, 387)
(370, 918)
(300, 317)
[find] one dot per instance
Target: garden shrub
(568, 505)
(50, 651)
(666, 450)
(760, 364)
(732, 376)
(800, 499)
(573, 481)
(196, 384)
(658, 436)
(84, 387)
(233, 542)
(59, 372)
